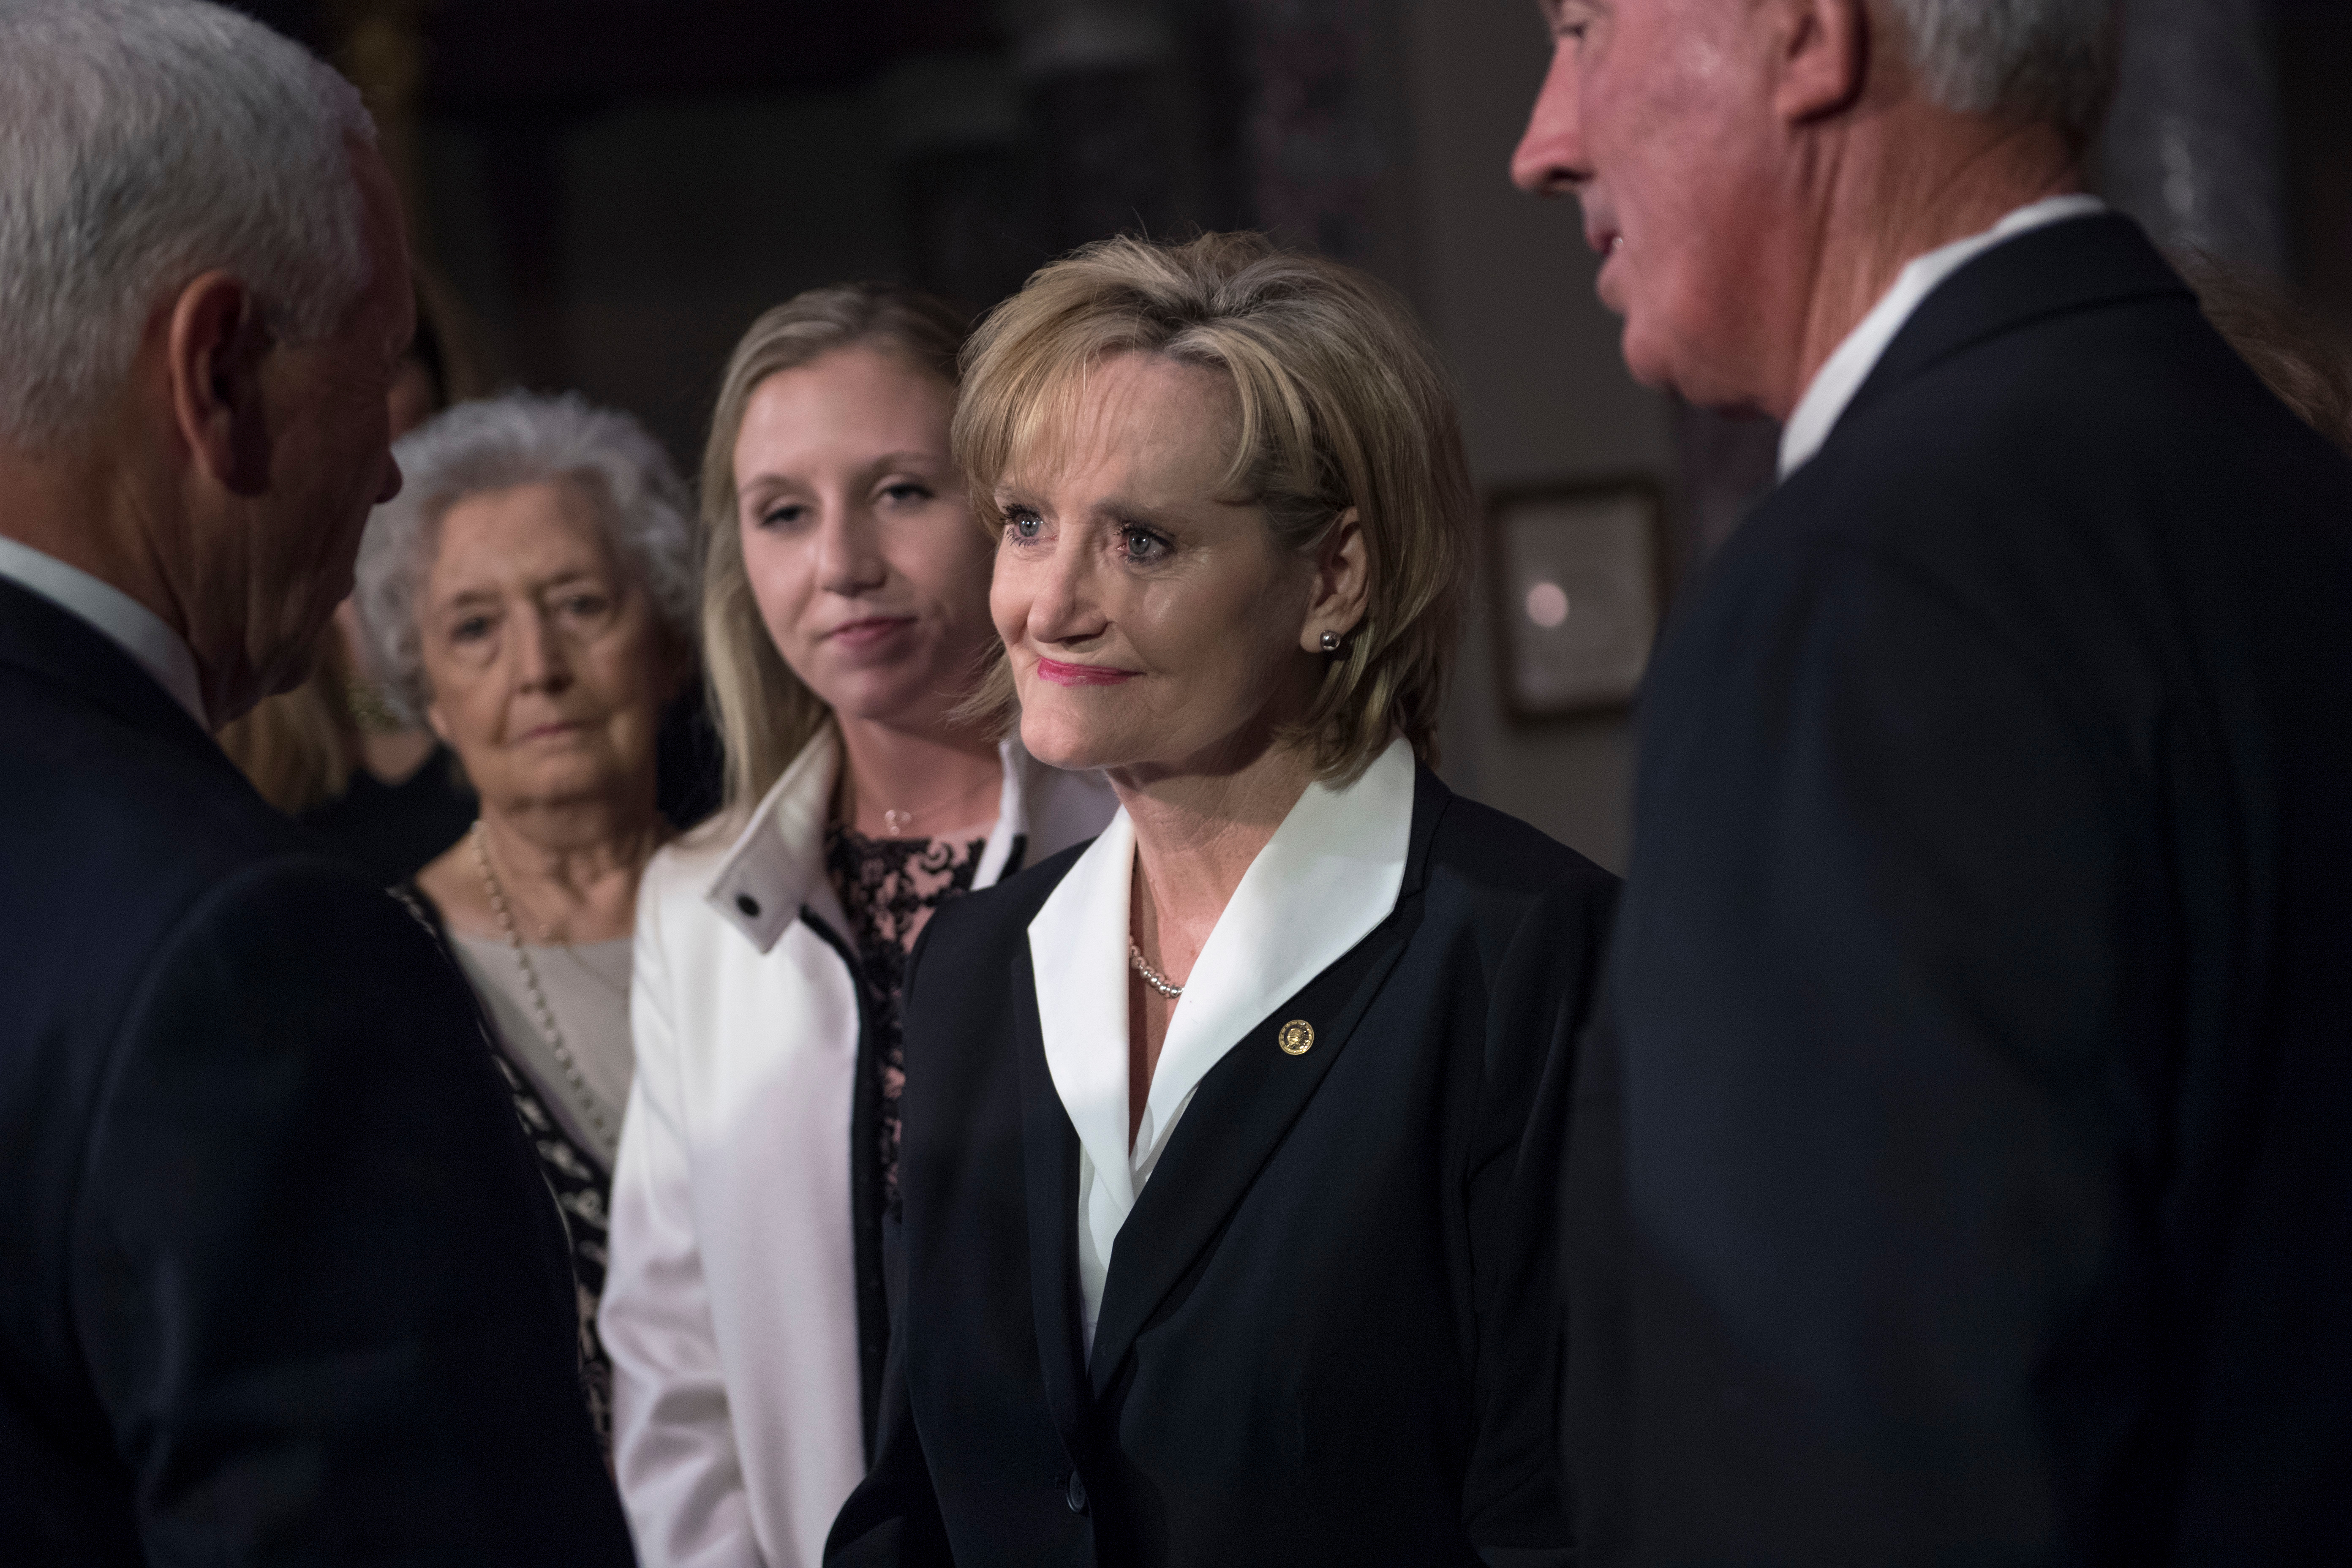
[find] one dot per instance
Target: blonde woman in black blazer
(1231, 1135)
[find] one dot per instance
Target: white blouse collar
(1331, 874)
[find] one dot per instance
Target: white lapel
(1078, 959)
(1327, 876)
(776, 866)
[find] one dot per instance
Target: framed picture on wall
(1579, 573)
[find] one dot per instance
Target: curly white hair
(495, 444)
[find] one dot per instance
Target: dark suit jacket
(1975, 1133)
(279, 1280)
(1327, 1334)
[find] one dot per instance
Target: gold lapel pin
(1297, 1038)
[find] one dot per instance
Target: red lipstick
(1061, 674)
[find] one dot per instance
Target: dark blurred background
(610, 190)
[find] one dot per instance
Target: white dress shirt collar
(1329, 876)
(121, 619)
(1841, 375)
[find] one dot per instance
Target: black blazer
(1328, 1333)
(1976, 1140)
(279, 1282)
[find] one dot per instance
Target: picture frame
(1578, 573)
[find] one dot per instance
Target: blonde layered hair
(765, 713)
(1342, 404)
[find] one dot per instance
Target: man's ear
(1825, 57)
(214, 346)
(434, 721)
(1343, 582)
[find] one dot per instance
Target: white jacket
(730, 1310)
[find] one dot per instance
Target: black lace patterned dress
(888, 887)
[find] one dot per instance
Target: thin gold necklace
(896, 823)
(548, 1029)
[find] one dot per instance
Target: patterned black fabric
(583, 1189)
(576, 1179)
(887, 887)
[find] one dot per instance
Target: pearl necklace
(548, 1029)
(1151, 976)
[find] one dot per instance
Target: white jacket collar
(1329, 876)
(776, 865)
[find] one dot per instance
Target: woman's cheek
(779, 587)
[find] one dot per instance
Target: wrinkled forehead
(552, 525)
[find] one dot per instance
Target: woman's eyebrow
(1120, 509)
(910, 460)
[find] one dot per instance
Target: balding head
(1755, 172)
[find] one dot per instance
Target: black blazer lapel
(2076, 264)
(1049, 1161)
(1236, 1121)
(51, 641)
(1239, 1115)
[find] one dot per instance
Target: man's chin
(1690, 377)
(1645, 366)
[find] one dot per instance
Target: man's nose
(1549, 160)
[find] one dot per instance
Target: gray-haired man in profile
(279, 1282)
(1963, 1175)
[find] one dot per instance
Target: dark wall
(615, 188)
(2315, 93)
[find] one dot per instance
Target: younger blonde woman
(845, 619)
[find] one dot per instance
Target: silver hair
(496, 444)
(150, 141)
(2049, 62)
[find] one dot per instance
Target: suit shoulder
(117, 837)
(2054, 433)
(1491, 854)
(81, 772)
(304, 915)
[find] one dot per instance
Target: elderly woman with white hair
(531, 596)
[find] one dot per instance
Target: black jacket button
(1074, 1494)
(748, 904)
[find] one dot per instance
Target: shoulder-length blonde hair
(1341, 402)
(765, 713)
